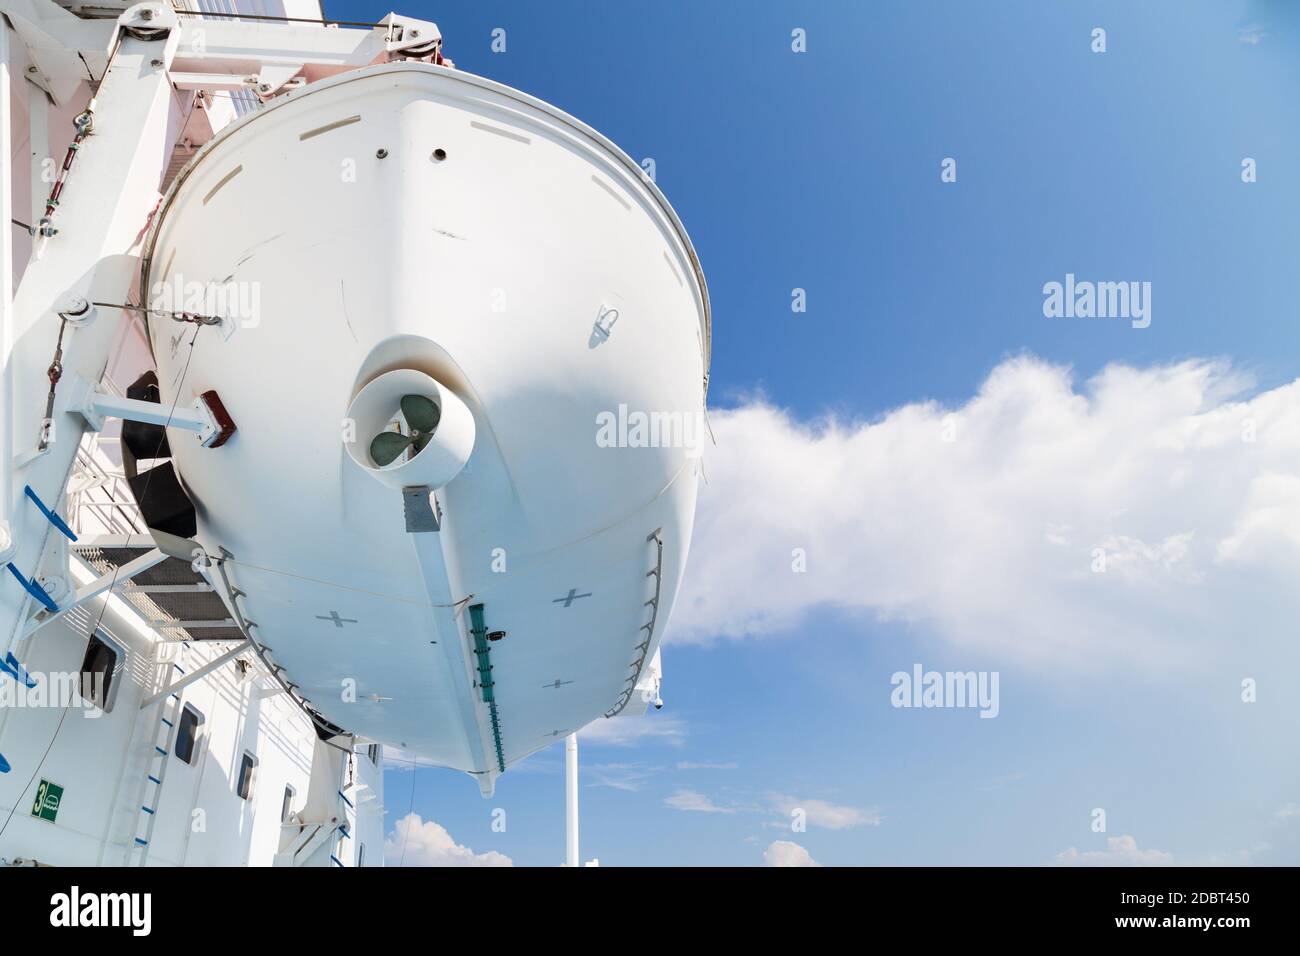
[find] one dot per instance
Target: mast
(571, 800)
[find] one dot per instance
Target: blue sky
(821, 171)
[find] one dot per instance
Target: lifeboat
(442, 302)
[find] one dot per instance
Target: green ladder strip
(481, 651)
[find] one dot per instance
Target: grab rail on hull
(656, 536)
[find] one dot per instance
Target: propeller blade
(421, 413)
(387, 446)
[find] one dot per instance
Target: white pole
(6, 297)
(571, 800)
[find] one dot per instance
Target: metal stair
(157, 760)
(348, 823)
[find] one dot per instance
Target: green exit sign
(48, 797)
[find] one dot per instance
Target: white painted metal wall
(101, 761)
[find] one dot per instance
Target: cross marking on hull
(569, 598)
(557, 684)
(334, 617)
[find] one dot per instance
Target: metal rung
(167, 722)
(155, 780)
(147, 809)
(49, 514)
(166, 589)
(34, 589)
(166, 624)
(140, 842)
(160, 750)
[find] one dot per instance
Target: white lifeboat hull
(409, 217)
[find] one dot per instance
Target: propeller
(422, 415)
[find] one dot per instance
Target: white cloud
(629, 777)
(417, 842)
(819, 813)
(1249, 857)
(694, 802)
(989, 539)
(1006, 780)
(1269, 530)
(1288, 811)
(786, 853)
(625, 731)
(1120, 851)
(1251, 34)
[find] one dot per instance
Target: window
(187, 734)
(247, 770)
(373, 753)
(98, 668)
(287, 807)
